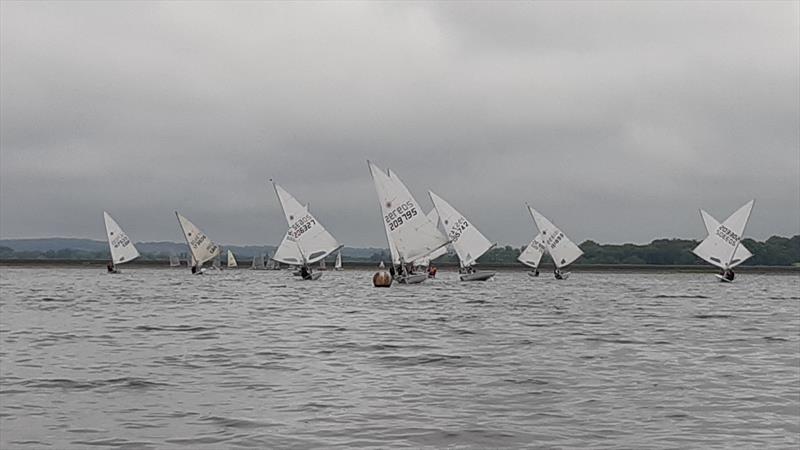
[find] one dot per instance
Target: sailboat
(723, 245)
(258, 263)
(323, 265)
(338, 264)
(120, 245)
(411, 235)
(469, 243)
(174, 261)
(533, 253)
(202, 249)
(306, 241)
(232, 260)
(381, 265)
(563, 251)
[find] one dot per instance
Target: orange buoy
(382, 279)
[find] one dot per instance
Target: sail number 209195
(400, 215)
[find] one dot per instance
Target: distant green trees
(775, 251)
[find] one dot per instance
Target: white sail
(468, 242)
(122, 249)
(338, 264)
(201, 247)
(312, 239)
(533, 253)
(561, 249)
(722, 247)
(425, 261)
(408, 230)
(231, 260)
(288, 252)
(174, 261)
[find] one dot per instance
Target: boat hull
(413, 278)
(477, 276)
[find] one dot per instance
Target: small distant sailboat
(306, 240)
(120, 245)
(411, 235)
(469, 243)
(258, 263)
(381, 265)
(174, 261)
(723, 245)
(201, 248)
(338, 264)
(232, 264)
(322, 265)
(563, 251)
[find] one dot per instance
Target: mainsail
(561, 249)
(722, 247)
(468, 242)
(410, 233)
(312, 240)
(200, 246)
(122, 249)
(533, 253)
(338, 264)
(231, 260)
(425, 261)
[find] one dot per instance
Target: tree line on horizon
(775, 251)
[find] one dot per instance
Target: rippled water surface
(156, 358)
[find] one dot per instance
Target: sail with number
(410, 233)
(561, 249)
(312, 240)
(533, 253)
(722, 247)
(231, 260)
(468, 242)
(201, 247)
(120, 245)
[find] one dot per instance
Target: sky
(616, 120)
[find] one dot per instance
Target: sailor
(305, 273)
(729, 275)
(432, 271)
(194, 269)
(391, 270)
(536, 272)
(557, 274)
(110, 267)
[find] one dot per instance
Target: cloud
(617, 120)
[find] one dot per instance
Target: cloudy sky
(616, 120)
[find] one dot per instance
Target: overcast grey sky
(616, 120)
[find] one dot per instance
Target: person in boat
(110, 267)
(557, 274)
(391, 270)
(728, 274)
(305, 273)
(536, 272)
(432, 271)
(194, 269)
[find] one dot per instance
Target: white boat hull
(723, 279)
(477, 276)
(413, 278)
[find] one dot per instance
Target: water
(157, 358)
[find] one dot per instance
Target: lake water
(156, 358)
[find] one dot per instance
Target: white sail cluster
(550, 240)
(411, 235)
(723, 245)
(306, 241)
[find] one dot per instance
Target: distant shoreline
(361, 265)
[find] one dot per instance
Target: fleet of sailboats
(723, 245)
(415, 239)
(409, 232)
(119, 244)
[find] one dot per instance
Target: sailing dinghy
(723, 245)
(120, 245)
(562, 250)
(338, 264)
(306, 241)
(411, 235)
(232, 260)
(174, 261)
(532, 255)
(468, 242)
(201, 248)
(258, 263)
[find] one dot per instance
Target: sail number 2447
(399, 215)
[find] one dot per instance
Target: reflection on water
(158, 358)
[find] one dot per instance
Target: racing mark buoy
(382, 278)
